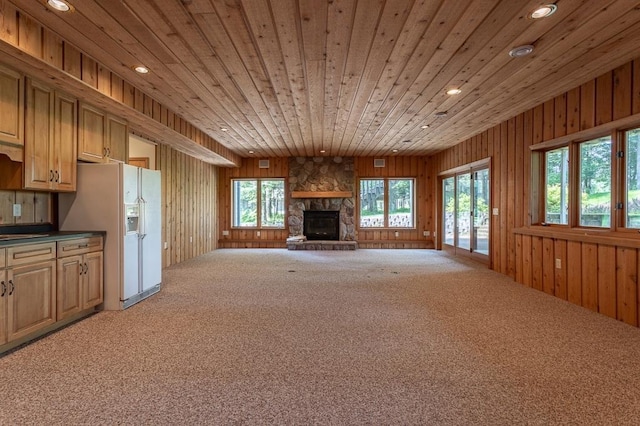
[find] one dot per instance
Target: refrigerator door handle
(143, 216)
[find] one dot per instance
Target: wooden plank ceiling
(350, 77)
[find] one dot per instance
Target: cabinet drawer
(3, 257)
(79, 246)
(30, 253)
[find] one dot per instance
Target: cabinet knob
(4, 288)
(86, 269)
(57, 176)
(50, 175)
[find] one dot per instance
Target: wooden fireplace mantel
(321, 194)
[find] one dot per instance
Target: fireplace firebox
(322, 224)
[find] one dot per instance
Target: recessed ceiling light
(441, 114)
(454, 91)
(59, 5)
(395, 150)
(543, 11)
(250, 152)
(322, 151)
(224, 129)
(520, 51)
(141, 69)
(425, 126)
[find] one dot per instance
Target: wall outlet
(166, 245)
(225, 233)
(558, 264)
(426, 233)
(190, 239)
(495, 211)
(397, 234)
(17, 210)
(257, 233)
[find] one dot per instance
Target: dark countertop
(45, 237)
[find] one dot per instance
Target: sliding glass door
(465, 215)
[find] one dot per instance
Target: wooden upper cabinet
(91, 134)
(65, 139)
(11, 107)
(38, 171)
(101, 137)
(117, 139)
(51, 139)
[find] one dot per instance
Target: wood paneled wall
(190, 211)
(20, 30)
(36, 208)
(415, 167)
(603, 271)
(408, 167)
(248, 238)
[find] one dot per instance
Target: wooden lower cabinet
(30, 298)
(3, 306)
(45, 283)
(80, 276)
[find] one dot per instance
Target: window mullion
(385, 201)
(617, 182)
(574, 184)
(259, 203)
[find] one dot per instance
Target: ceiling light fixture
(59, 5)
(322, 151)
(250, 152)
(425, 126)
(441, 114)
(141, 69)
(224, 129)
(521, 51)
(454, 91)
(543, 11)
(395, 150)
(407, 141)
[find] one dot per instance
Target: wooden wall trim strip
(594, 132)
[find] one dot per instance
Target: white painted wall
(139, 147)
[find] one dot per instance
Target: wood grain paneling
(249, 238)
(597, 272)
(190, 210)
(401, 166)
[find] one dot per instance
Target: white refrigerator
(124, 201)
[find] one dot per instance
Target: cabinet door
(70, 276)
(91, 134)
(31, 298)
(38, 171)
(117, 139)
(92, 292)
(11, 107)
(4, 295)
(65, 142)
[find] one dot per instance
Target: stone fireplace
(322, 184)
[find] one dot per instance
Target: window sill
(585, 235)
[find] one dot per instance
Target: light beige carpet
(350, 337)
